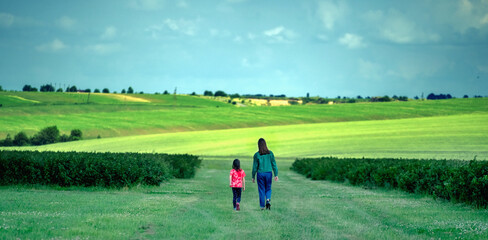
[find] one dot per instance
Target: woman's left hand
(276, 179)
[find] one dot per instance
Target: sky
(326, 48)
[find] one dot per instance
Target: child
(237, 182)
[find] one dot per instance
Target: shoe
(268, 205)
(238, 208)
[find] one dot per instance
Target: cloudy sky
(324, 47)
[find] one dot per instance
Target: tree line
(47, 135)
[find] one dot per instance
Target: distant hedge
(93, 169)
(454, 180)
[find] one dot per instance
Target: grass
(201, 208)
(446, 137)
(191, 113)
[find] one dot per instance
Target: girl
(264, 162)
(237, 182)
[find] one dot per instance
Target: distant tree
(207, 93)
(64, 138)
(220, 93)
(105, 90)
(235, 95)
(1, 89)
(403, 98)
(26, 88)
(130, 90)
(395, 97)
(96, 90)
(431, 96)
(338, 97)
(88, 90)
(359, 97)
(21, 139)
(8, 141)
(308, 95)
(47, 88)
(59, 90)
(165, 92)
(156, 93)
(114, 91)
(75, 135)
(193, 93)
(416, 97)
(123, 91)
(141, 92)
(34, 89)
(465, 96)
(448, 96)
(46, 136)
(71, 89)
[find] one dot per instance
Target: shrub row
(454, 180)
(93, 169)
(47, 135)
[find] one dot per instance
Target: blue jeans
(264, 187)
(237, 195)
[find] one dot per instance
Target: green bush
(46, 136)
(21, 139)
(93, 169)
(75, 135)
(454, 180)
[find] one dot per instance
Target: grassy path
(201, 208)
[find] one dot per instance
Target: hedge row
(454, 180)
(93, 169)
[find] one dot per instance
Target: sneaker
(238, 207)
(268, 205)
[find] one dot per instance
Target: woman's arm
(274, 166)
(254, 167)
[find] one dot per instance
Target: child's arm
(243, 184)
(230, 180)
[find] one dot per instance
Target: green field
(447, 137)
(202, 207)
(189, 113)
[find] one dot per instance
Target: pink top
(237, 177)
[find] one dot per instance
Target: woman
(264, 162)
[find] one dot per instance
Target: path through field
(201, 208)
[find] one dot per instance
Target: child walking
(237, 182)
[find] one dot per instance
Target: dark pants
(264, 187)
(237, 195)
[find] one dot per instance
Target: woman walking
(264, 162)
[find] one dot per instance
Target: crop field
(201, 207)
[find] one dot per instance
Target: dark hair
(236, 165)
(263, 149)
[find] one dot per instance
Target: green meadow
(201, 208)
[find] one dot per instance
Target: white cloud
(6, 19)
(148, 5)
(482, 68)
(352, 41)
(103, 49)
(54, 46)
(182, 4)
(245, 63)
(280, 34)
(370, 70)
(396, 27)
(330, 12)
(251, 36)
(109, 33)
(237, 39)
(66, 22)
(187, 27)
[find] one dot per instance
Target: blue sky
(324, 47)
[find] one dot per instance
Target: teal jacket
(266, 163)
